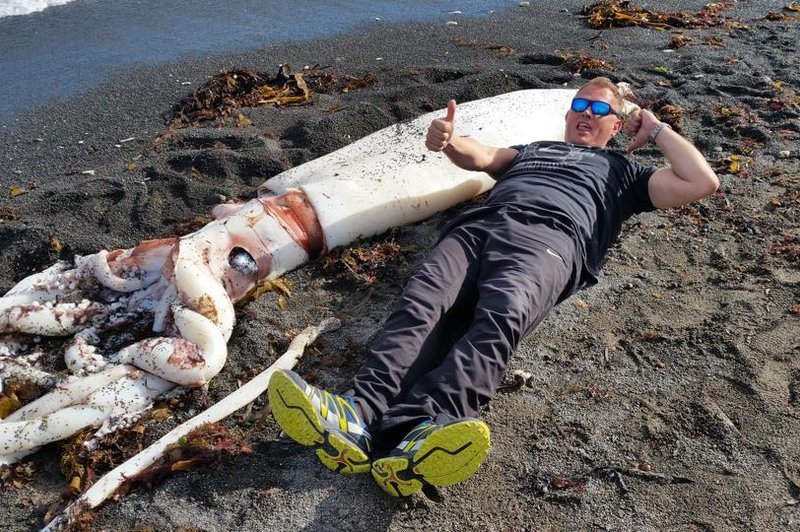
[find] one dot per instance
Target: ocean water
(52, 49)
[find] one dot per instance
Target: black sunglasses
(579, 105)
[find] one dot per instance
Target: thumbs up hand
(441, 130)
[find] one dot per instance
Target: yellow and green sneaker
(330, 423)
(432, 453)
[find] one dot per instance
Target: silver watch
(651, 138)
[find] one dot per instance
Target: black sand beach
(665, 398)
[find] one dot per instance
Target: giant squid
(187, 286)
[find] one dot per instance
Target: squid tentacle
(48, 318)
(70, 393)
(191, 359)
(161, 312)
(44, 284)
(200, 290)
(115, 399)
(22, 436)
(98, 266)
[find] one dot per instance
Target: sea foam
(23, 7)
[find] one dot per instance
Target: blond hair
(605, 83)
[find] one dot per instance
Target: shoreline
(68, 49)
(621, 428)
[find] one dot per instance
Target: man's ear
(618, 126)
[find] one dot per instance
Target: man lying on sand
(498, 269)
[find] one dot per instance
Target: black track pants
(444, 350)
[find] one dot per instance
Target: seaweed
(783, 97)
(15, 476)
(82, 466)
(201, 447)
(228, 91)
(579, 61)
(8, 213)
(671, 114)
(352, 83)
(16, 190)
(365, 264)
(620, 14)
(789, 13)
(225, 93)
(789, 249)
(679, 40)
(16, 393)
(737, 117)
(282, 286)
(501, 50)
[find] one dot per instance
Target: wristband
(651, 138)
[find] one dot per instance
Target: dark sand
(665, 398)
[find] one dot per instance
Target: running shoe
(329, 423)
(432, 453)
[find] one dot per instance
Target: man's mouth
(582, 126)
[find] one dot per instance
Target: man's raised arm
(466, 152)
(687, 178)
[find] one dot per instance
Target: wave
(10, 8)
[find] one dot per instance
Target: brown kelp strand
(226, 92)
(620, 13)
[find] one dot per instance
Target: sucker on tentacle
(81, 356)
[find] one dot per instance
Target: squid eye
(242, 261)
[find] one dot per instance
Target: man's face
(586, 128)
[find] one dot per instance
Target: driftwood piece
(111, 481)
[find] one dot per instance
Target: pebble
(784, 153)
(524, 4)
(452, 23)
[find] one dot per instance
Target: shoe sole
(449, 455)
(294, 412)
